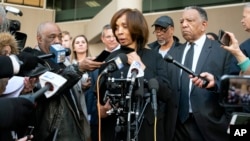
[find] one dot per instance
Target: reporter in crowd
(131, 31)
(14, 111)
(79, 52)
(235, 50)
(15, 116)
(111, 45)
(66, 39)
(244, 46)
(60, 116)
(8, 46)
(16, 64)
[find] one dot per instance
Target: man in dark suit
(202, 118)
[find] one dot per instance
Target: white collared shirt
(197, 51)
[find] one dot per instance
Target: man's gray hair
(200, 10)
(105, 27)
(247, 5)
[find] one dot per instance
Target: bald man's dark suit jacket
(209, 115)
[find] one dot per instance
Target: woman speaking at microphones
(131, 31)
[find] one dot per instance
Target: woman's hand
(133, 56)
(29, 84)
(87, 84)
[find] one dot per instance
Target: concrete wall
(226, 17)
(222, 17)
(31, 18)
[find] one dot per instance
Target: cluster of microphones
(134, 72)
(51, 82)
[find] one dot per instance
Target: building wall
(31, 18)
(225, 17)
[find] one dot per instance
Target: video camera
(15, 25)
(235, 93)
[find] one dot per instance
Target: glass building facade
(72, 10)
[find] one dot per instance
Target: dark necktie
(184, 97)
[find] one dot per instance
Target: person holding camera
(244, 46)
(61, 116)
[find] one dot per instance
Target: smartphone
(29, 130)
(235, 91)
(224, 38)
(102, 56)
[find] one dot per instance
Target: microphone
(135, 71)
(115, 63)
(153, 85)
(140, 90)
(56, 80)
(57, 53)
(50, 83)
(170, 59)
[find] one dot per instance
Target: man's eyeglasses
(109, 37)
(160, 30)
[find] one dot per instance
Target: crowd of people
(187, 110)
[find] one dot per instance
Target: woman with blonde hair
(8, 44)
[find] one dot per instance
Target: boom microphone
(57, 53)
(153, 85)
(170, 59)
(115, 63)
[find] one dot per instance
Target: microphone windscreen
(68, 51)
(123, 58)
(153, 84)
(168, 58)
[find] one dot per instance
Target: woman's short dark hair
(136, 23)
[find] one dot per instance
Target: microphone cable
(99, 106)
(155, 128)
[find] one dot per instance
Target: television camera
(235, 93)
(14, 26)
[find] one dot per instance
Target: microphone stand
(140, 116)
(131, 86)
(139, 94)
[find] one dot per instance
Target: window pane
(67, 10)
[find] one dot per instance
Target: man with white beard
(164, 32)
